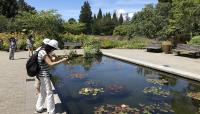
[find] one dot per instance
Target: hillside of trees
(167, 19)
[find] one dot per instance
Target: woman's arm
(50, 63)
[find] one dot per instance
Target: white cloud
(120, 11)
(125, 12)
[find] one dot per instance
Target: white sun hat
(53, 43)
(46, 40)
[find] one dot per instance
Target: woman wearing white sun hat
(46, 92)
(37, 80)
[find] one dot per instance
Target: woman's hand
(64, 59)
(50, 63)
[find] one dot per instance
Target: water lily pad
(141, 109)
(114, 109)
(91, 91)
(156, 91)
(157, 81)
(194, 95)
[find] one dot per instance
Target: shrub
(134, 43)
(21, 40)
(38, 40)
(195, 40)
(74, 38)
(74, 27)
(91, 47)
(121, 30)
(166, 43)
(72, 53)
(107, 43)
(4, 37)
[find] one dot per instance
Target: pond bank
(178, 65)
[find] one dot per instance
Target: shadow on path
(20, 58)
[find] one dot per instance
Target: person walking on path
(29, 43)
(46, 92)
(37, 80)
(12, 47)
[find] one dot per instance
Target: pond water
(105, 85)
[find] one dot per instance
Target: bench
(154, 47)
(72, 44)
(193, 50)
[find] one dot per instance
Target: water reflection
(184, 105)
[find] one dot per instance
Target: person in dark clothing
(12, 47)
(29, 43)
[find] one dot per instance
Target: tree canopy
(179, 18)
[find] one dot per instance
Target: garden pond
(104, 85)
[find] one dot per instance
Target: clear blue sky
(71, 8)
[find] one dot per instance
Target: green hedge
(134, 43)
(195, 40)
(105, 43)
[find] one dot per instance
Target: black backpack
(32, 65)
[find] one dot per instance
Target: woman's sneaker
(41, 111)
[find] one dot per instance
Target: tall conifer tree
(86, 16)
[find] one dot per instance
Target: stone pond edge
(161, 68)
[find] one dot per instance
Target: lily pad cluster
(156, 91)
(194, 95)
(91, 91)
(155, 108)
(126, 109)
(157, 81)
(114, 109)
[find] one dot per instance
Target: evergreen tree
(71, 21)
(108, 16)
(23, 6)
(127, 18)
(95, 28)
(95, 17)
(99, 15)
(86, 16)
(8, 8)
(114, 19)
(121, 20)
